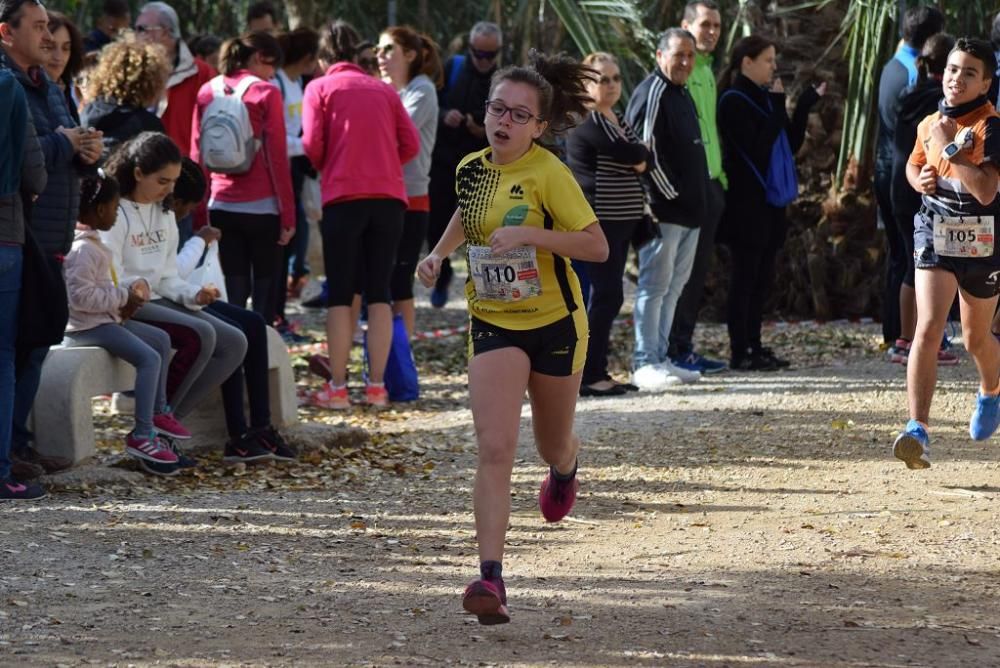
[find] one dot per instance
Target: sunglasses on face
(604, 81)
(479, 54)
(149, 30)
(385, 49)
(498, 109)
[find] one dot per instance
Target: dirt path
(748, 520)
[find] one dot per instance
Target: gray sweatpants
(145, 347)
(222, 348)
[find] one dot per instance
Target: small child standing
(100, 311)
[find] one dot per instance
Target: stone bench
(71, 377)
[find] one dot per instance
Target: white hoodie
(143, 244)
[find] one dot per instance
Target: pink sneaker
(330, 397)
(376, 395)
(487, 600)
(557, 497)
(168, 425)
(946, 358)
(150, 448)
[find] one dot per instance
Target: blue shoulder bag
(781, 183)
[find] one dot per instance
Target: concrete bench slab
(71, 377)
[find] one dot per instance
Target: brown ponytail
(427, 60)
(561, 85)
(236, 52)
(748, 47)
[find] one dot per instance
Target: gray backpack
(227, 142)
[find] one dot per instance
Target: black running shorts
(559, 349)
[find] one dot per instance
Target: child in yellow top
(523, 217)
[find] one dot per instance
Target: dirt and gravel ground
(747, 520)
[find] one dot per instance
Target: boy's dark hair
(191, 184)
(299, 44)
(934, 56)
(11, 11)
(691, 8)
(673, 33)
(339, 43)
(919, 23)
(561, 84)
(96, 189)
(980, 50)
(205, 45)
(259, 10)
(236, 52)
(116, 9)
(150, 152)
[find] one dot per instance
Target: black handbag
(44, 310)
(645, 231)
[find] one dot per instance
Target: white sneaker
(653, 378)
(682, 375)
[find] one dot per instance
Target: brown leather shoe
(24, 471)
(49, 464)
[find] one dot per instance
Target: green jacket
(701, 85)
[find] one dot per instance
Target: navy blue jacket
(53, 214)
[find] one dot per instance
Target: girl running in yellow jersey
(522, 216)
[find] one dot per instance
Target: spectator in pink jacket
(358, 134)
(255, 210)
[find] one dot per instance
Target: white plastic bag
(210, 272)
(312, 199)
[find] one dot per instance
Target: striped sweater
(602, 155)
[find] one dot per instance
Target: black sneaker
(246, 449)
(271, 440)
(13, 490)
(160, 468)
(184, 461)
(753, 362)
(777, 361)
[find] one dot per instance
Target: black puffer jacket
(118, 122)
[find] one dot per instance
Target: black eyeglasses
(519, 116)
(479, 54)
(604, 81)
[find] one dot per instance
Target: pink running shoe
(150, 448)
(946, 358)
(557, 497)
(332, 398)
(487, 600)
(166, 424)
(377, 396)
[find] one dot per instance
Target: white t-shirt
(291, 94)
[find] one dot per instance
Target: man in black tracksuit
(664, 116)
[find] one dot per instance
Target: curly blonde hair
(130, 73)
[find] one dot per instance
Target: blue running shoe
(913, 446)
(985, 418)
(692, 361)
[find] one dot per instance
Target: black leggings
(360, 238)
(606, 298)
(408, 254)
(749, 287)
(253, 370)
(248, 252)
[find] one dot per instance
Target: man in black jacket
(663, 114)
(461, 114)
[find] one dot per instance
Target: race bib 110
(510, 277)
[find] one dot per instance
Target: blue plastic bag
(401, 381)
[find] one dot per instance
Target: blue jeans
(664, 267)
(10, 296)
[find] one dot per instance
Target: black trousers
(248, 251)
(749, 287)
(606, 298)
(408, 255)
(444, 201)
(896, 265)
(689, 305)
(253, 372)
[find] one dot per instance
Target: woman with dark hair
(65, 58)
(300, 49)
(129, 79)
(409, 62)
(757, 136)
(252, 205)
(523, 217)
(143, 245)
(915, 104)
(357, 133)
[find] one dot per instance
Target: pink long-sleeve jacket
(357, 133)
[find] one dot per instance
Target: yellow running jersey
(531, 287)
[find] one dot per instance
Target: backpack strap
(457, 62)
(244, 85)
(218, 85)
(750, 100)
